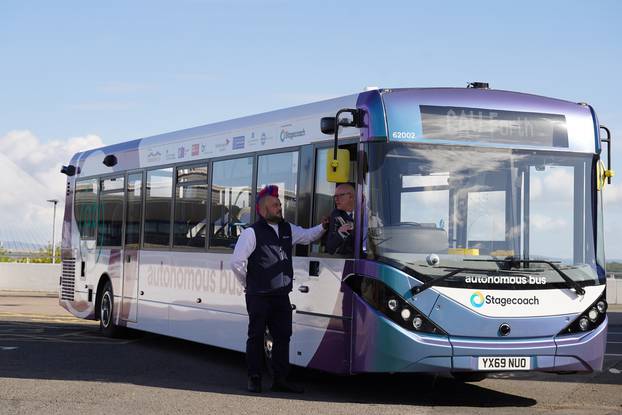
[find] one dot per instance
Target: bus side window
(86, 208)
(323, 203)
(111, 200)
(134, 210)
(230, 210)
(159, 194)
(281, 169)
(190, 209)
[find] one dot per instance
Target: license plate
(504, 363)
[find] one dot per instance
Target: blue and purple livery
(478, 232)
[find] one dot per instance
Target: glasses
(340, 195)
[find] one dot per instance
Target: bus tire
(267, 350)
(106, 313)
(469, 376)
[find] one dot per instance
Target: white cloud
(30, 175)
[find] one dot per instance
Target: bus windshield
(484, 211)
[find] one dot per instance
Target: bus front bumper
(582, 352)
(383, 346)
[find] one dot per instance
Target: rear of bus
(482, 244)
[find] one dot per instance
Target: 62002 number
(404, 135)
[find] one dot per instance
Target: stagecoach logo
(238, 142)
(290, 135)
(154, 156)
(477, 299)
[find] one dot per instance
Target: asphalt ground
(51, 362)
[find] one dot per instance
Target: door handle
(314, 268)
(303, 289)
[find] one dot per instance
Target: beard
(274, 218)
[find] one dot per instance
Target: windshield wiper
(419, 275)
(416, 290)
(572, 283)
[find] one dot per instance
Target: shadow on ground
(78, 352)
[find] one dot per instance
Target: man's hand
(346, 228)
(325, 222)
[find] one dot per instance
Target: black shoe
(283, 386)
(254, 384)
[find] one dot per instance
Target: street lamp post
(55, 201)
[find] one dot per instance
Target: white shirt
(247, 242)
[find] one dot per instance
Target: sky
(76, 75)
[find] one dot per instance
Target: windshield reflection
(462, 203)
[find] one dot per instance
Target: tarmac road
(51, 362)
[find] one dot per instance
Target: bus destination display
(493, 126)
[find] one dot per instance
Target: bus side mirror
(327, 125)
(338, 169)
(603, 175)
(68, 170)
(608, 173)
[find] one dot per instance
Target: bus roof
(301, 125)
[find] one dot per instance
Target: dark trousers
(274, 312)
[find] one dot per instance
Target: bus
(478, 237)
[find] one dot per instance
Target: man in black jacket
(262, 262)
(341, 227)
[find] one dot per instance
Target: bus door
(321, 320)
(321, 324)
(131, 253)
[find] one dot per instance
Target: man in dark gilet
(262, 262)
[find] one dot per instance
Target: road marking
(5, 348)
(35, 315)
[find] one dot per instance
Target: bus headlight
(601, 306)
(405, 313)
(392, 305)
(417, 323)
(592, 317)
(592, 314)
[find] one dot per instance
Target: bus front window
(481, 202)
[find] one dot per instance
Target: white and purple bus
(478, 241)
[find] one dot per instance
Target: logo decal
(290, 135)
(477, 299)
(238, 142)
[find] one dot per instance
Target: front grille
(68, 279)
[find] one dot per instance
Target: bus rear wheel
(106, 313)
